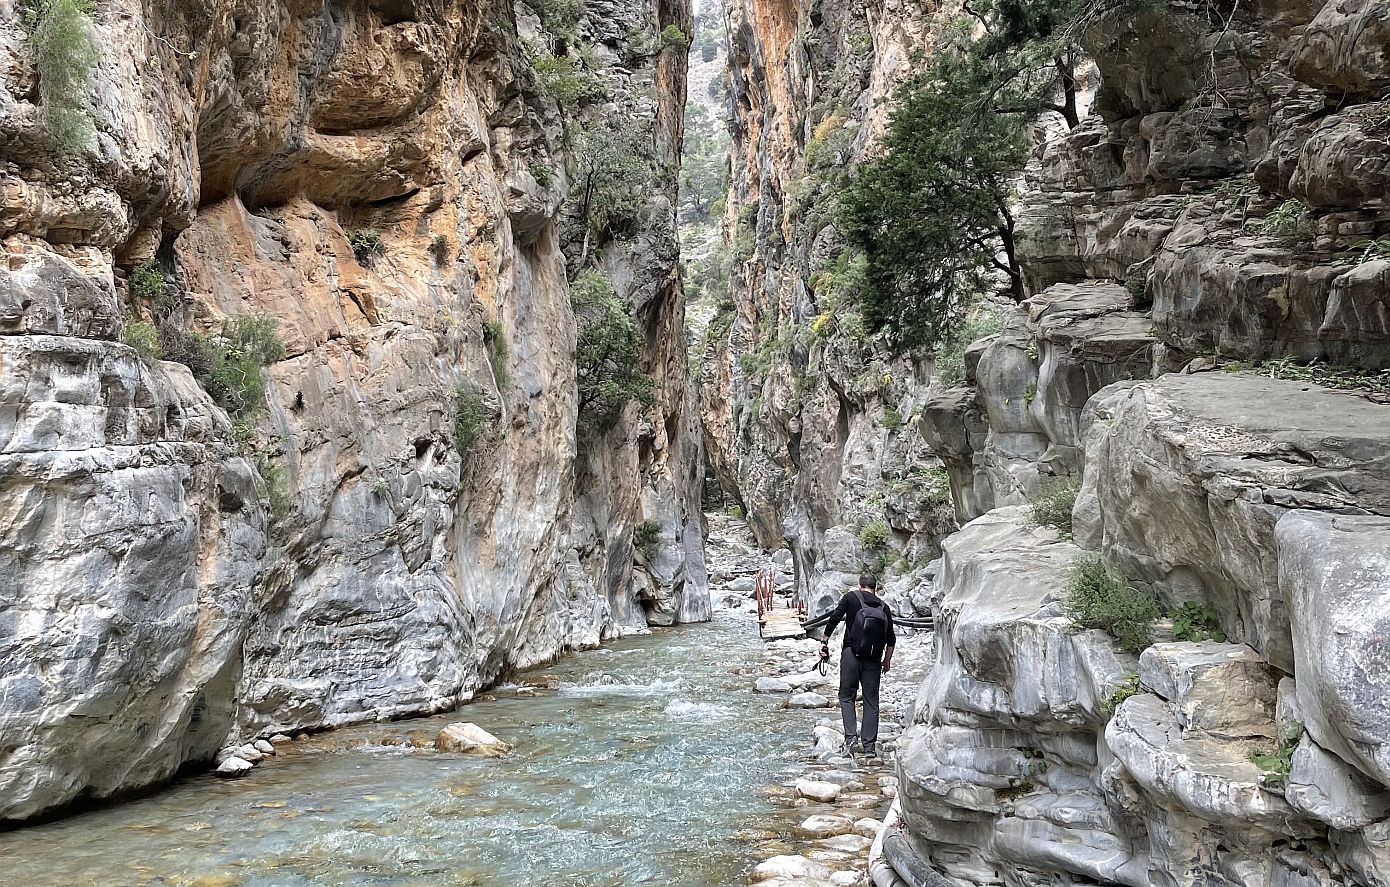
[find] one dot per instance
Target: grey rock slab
(1334, 571)
(1328, 789)
(1227, 690)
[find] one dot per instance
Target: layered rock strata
(387, 181)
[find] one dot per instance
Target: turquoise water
(642, 765)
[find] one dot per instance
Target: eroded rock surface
(388, 181)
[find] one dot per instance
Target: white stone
(264, 747)
(817, 790)
(233, 767)
(470, 739)
(808, 700)
(823, 825)
(771, 685)
(789, 867)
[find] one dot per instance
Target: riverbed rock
(264, 747)
(824, 825)
(470, 739)
(818, 790)
(789, 867)
(807, 700)
(234, 767)
(771, 685)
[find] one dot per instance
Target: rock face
(807, 424)
(1217, 218)
(387, 180)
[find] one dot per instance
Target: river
(641, 765)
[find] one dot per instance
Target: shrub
(65, 54)
(1052, 506)
(470, 417)
(230, 366)
(874, 535)
(559, 16)
(439, 248)
(1030, 393)
(1098, 597)
(543, 174)
(1196, 622)
(735, 512)
(1112, 702)
(608, 353)
(1276, 763)
(647, 535)
(366, 244)
(950, 357)
(147, 284)
(143, 337)
(891, 419)
(609, 182)
(498, 350)
(1289, 220)
(672, 37)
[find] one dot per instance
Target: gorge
(360, 357)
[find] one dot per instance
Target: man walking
(867, 655)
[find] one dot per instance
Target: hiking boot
(853, 746)
(869, 750)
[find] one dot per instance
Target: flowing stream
(642, 766)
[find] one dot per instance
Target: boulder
(470, 739)
(1226, 690)
(233, 767)
(1328, 789)
(818, 790)
(807, 700)
(1334, 572)
(825, 826)
(264, 747)
(771, 685)
(789, 867)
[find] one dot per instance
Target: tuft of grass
(1375, 383)
(1030, 393)
(543, 173)
(1290, 219)
(1129, 688)
(498, 350)
(1276, 763)
(470, 418)
(1196, 622)
(874, 535)
(366, 244)
(891, 419)
(1052, 506)
(143, 337)
(1098, 597)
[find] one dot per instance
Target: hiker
(866, 656)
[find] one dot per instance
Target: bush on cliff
(934, 213)
(1052, 506)
(65, 54)
(1098, 597)
(608, 352)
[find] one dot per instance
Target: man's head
(868, 582)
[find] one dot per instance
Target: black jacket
(849, 605)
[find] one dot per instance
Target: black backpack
(868, 633)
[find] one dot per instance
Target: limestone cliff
(806, 420)
(419, 510)
(1200, 358)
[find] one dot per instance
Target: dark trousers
(854, 676)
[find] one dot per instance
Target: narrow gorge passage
(647, 762)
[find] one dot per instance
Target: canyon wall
(1200, 362)
(421, 508)
(807, 422)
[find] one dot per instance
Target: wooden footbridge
(778, 620)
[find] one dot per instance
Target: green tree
(704, 163)
(610, 185)
(608, 352)
(934, 213)
(64, 54)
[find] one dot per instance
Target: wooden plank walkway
(781, 622)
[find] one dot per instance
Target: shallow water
(640, 768)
